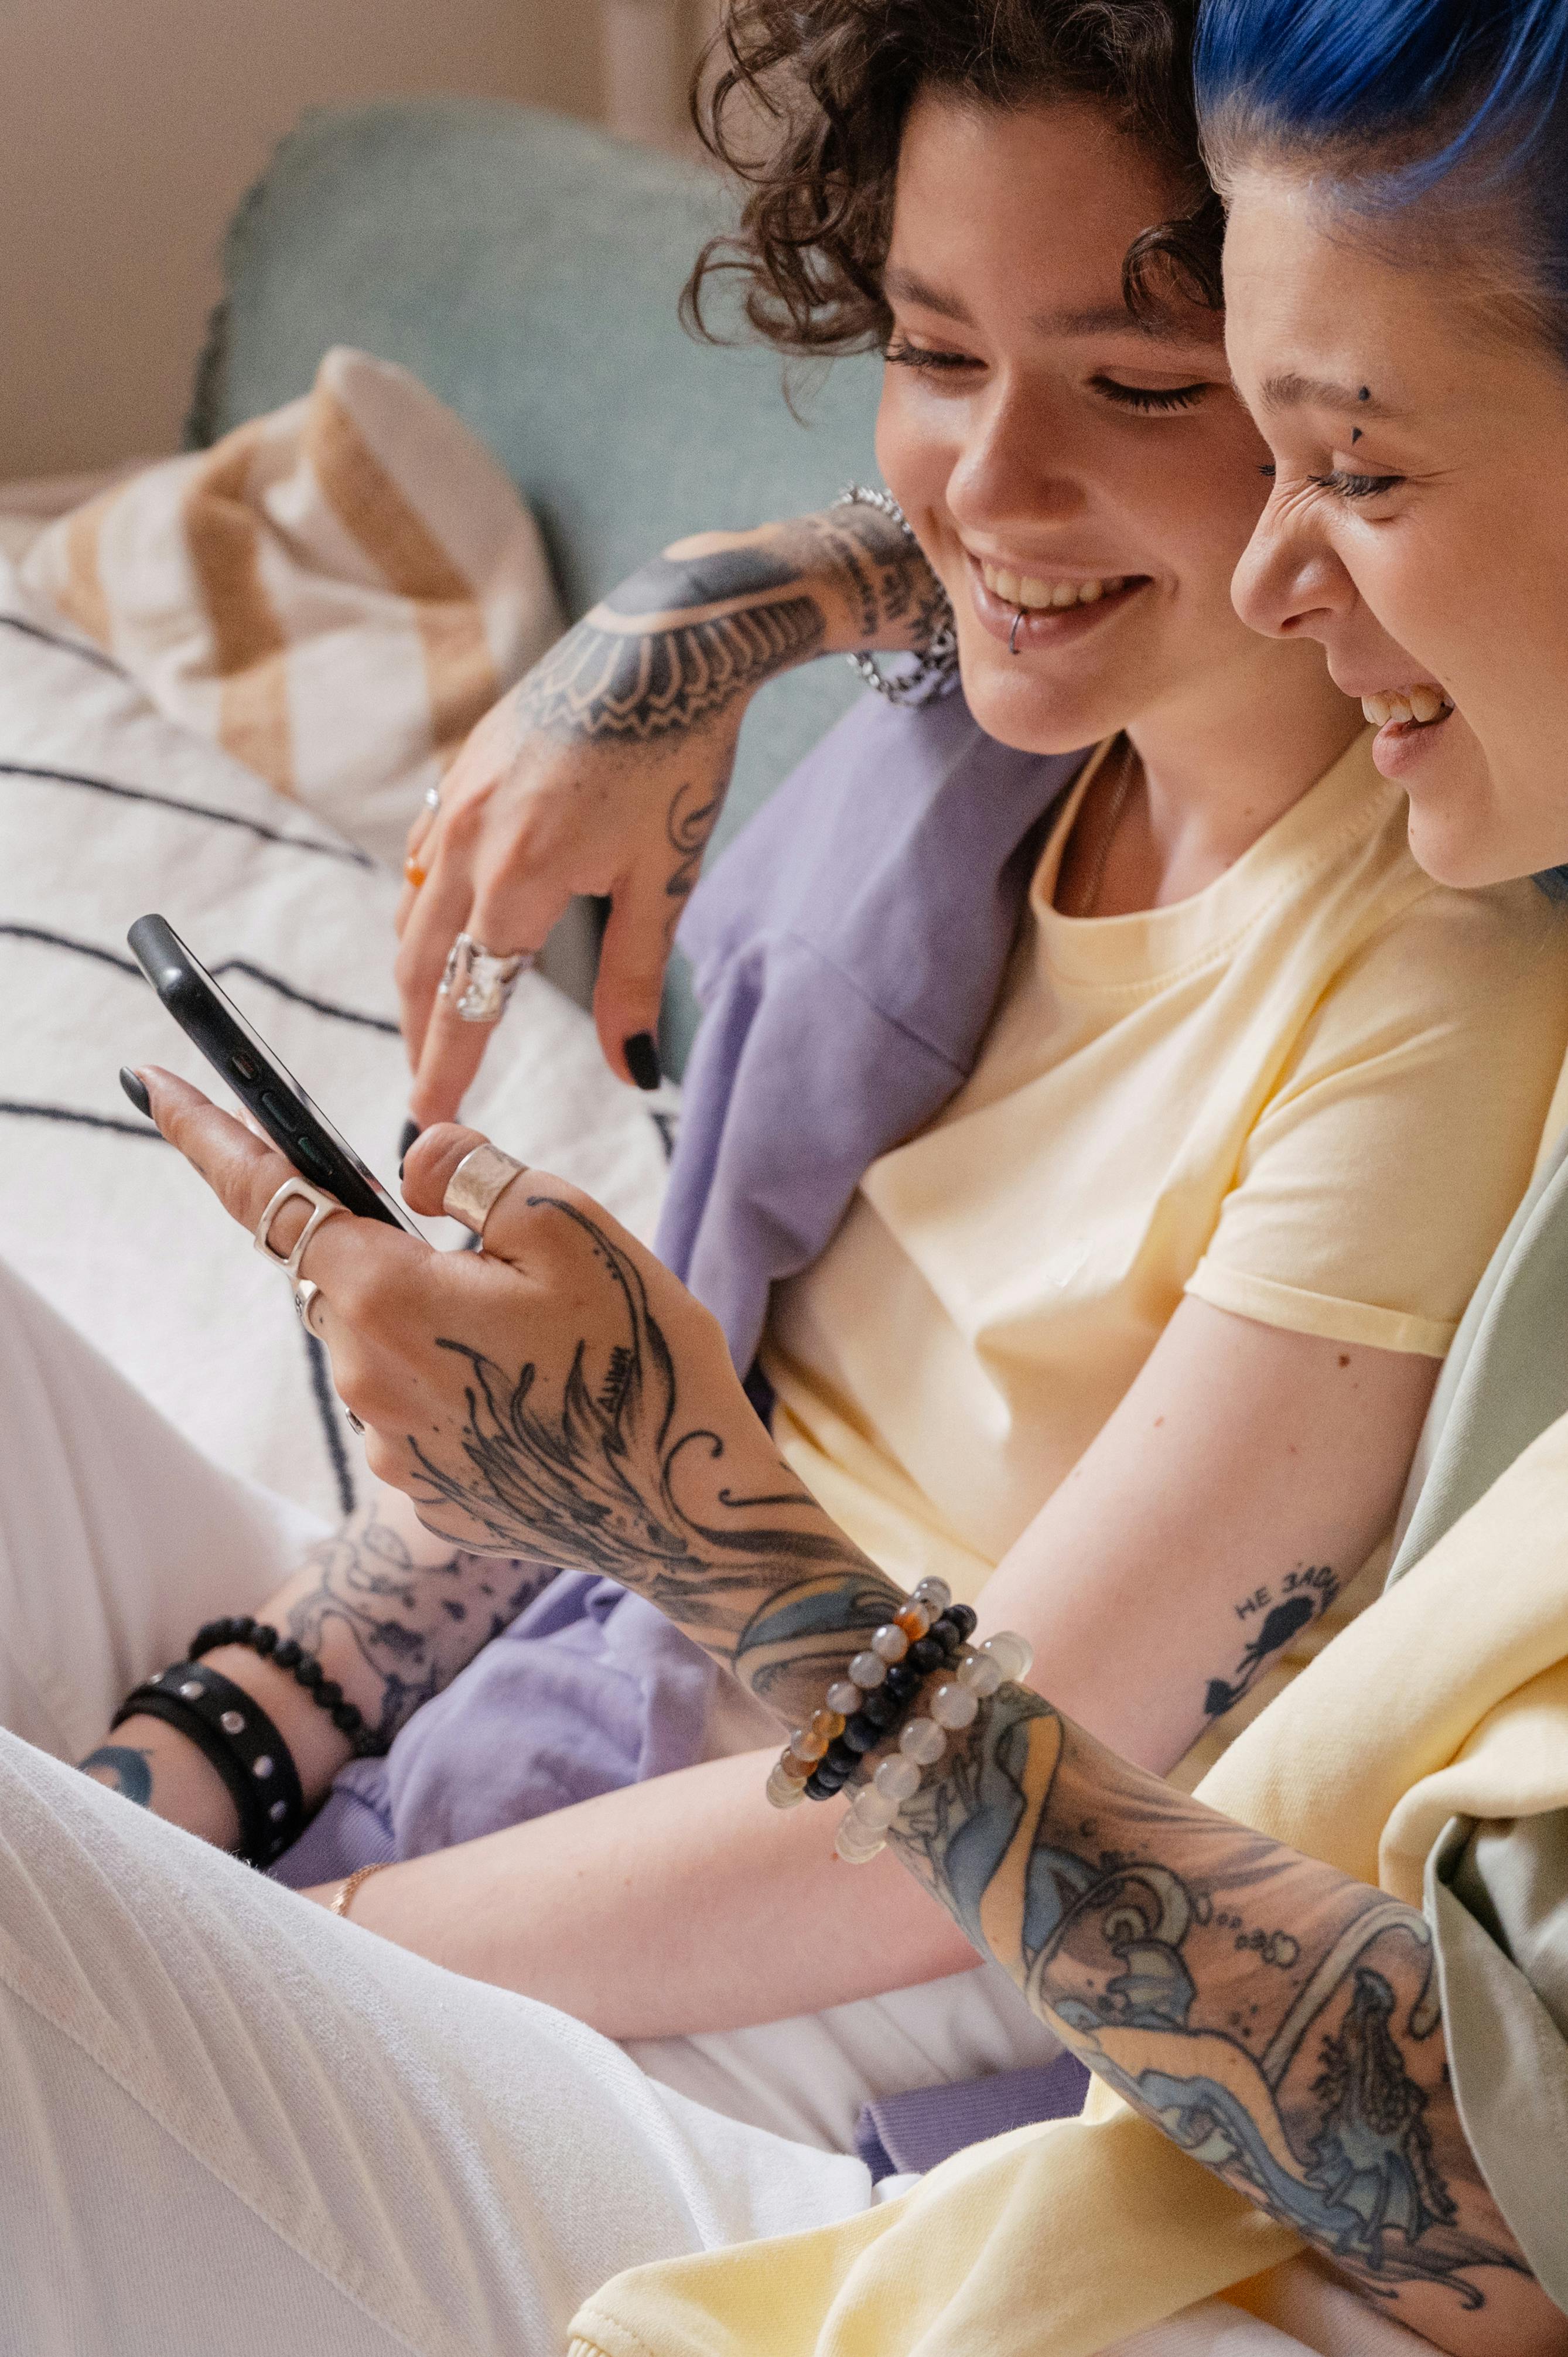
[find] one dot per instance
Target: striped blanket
(112, 807)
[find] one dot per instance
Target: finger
(451, 1056)
(439, 914)
(515, 912)
(430, 1161)
(630, 984)
(244, 1172)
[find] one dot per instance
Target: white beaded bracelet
(864, 1827)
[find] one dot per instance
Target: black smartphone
(264, 1086)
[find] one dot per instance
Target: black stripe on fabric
(93, 655)
(53, 941)
(23, 1112)
(253, 826)
(328, 1408)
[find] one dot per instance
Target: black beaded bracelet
(883, 1711)
(244, 1629)
(234, 1734)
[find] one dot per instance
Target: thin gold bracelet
(342, 1898)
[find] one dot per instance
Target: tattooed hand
(605, 770)
(561, 1396)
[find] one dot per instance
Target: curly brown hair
(828, 85)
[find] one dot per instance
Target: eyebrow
(1096, 319)
(1293, 391)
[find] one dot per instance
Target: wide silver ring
(305, 1297)
(477, 1184)
(293, 1190)
(479, 983)
(431, 797)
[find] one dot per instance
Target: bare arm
(604, 769)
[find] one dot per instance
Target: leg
(229, 2122)
(117, 1536)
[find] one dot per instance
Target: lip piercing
(1013, 633)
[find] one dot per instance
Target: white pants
(231, 2125)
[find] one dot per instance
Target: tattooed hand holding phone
(559, 1392)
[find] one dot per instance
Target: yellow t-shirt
(1310, 1094)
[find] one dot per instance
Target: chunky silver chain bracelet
(937, 670)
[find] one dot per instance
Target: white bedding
(108, 811)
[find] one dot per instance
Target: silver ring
(293, 1190)
(353, 1420)
(478, 982)
(305, 1296)
(431, 797)
(477, 1184)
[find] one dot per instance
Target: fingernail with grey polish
(410, 1132)
(642, 1059)
(137, 1089)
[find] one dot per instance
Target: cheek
(917, 446)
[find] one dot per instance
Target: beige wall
(130, 129)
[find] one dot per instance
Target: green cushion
(528, 269)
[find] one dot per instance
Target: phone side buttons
(315, 1161)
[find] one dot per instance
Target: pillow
(111, 809)
(335, 593)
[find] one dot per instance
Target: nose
(1015, 467)
(1289, 583)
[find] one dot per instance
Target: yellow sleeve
(1395, 1146)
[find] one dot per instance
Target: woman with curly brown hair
(1134, 1328)
(1121, 1158)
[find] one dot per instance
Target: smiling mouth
(1408, 708)
(1049, 593)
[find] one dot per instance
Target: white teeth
(1029, 590)
(1423, 705)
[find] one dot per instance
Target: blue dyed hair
(1393, 98)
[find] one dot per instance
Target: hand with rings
(522, 1396)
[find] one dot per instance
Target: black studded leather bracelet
(244, 1629)
(235, 1735)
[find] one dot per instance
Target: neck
(1217, 767)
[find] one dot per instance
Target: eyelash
(1341, 486)
(1143, 399)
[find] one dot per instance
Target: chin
(1021, 709)
(1468, 850)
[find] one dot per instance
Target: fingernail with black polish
(137, 1089)
(642, 1059)
(410, 1132)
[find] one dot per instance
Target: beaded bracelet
(241, 1628)
(866, 1706)
(863, 1830)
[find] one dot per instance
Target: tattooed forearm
(601, 1463)
(1277, 2019)
(691, 634)
(1305, 1594)
(124, 1769)
(394, 1629)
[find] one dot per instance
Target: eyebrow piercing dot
(1365, 394)
(1355, 435)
